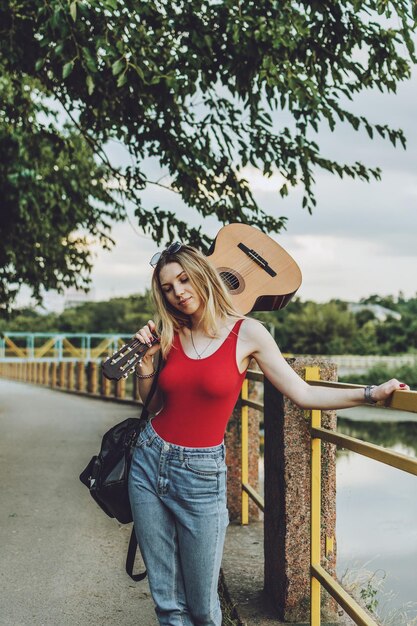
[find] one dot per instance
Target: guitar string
(247, 267)
(241, 267)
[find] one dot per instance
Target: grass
(230, 617)
(368, 589)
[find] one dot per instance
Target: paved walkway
(61, 558)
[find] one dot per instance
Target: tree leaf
(118, 66)
(90, 84)
(73, 10)
(122, 80)
(67, 69)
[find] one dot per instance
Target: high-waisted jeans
(178, 498)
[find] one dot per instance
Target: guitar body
(259, 274)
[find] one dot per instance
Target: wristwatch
(368, 394)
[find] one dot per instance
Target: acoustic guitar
(258, 273)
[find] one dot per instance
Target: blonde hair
(208, 285)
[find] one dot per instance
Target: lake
(376, 526)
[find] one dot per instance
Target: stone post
(287, 499)
(92, 381)
(120, 388)
(62, 378)
(80, 376)
(53, 374)
(105, 386)
(70, 375)
(45, 373)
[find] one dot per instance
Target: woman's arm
(265, 351)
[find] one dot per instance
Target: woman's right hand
(144, 335)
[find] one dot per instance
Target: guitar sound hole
(233, 281)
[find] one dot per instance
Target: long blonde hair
(207, 283)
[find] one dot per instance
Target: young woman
(177, 483)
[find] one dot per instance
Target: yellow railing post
(245, 453)
(313, 373)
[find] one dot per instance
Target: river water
(376, 526)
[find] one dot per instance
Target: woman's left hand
(381, 392)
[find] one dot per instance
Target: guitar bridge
(257, 259)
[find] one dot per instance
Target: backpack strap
(130, 559)
(133, 542)
(145, 412)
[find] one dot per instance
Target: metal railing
(401, 400)
(22, 346)
(72, 376)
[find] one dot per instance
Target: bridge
(63, 559)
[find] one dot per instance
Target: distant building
(73, 298)
(381, 312)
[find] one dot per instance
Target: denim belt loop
(181, 454)
(151, 438)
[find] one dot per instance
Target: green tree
(322, 329)
(54, 200)
(364, 340)
(195, 84)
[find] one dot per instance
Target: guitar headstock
(123, 362)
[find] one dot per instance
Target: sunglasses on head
(172, 249)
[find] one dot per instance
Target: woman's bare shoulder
(253, 330)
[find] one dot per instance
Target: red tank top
(199, 394)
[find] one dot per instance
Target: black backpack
(106, 475)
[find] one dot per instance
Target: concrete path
(61, 557)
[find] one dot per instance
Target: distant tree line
(331, 328)
(301, 328)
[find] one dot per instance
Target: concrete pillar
(287, 500)
(45, 373)
(53, 373)
(92, 381)
(70, 375)
(120, 388)
(62, 375)
(80, 385)
(106, 386)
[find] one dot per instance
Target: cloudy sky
(360, 240)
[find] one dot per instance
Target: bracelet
(145, 375)
(368, 394)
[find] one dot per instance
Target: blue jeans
(178, 499)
